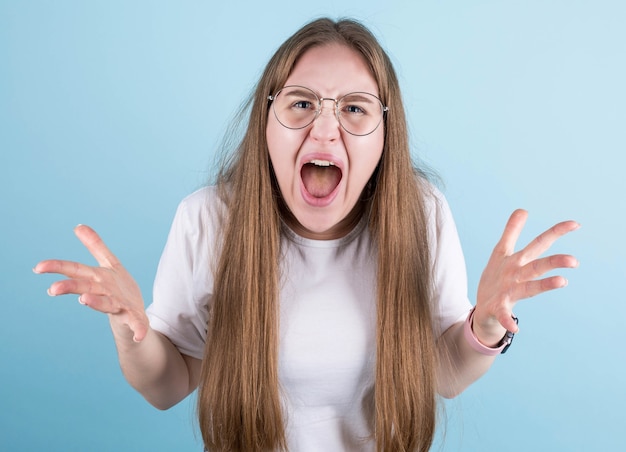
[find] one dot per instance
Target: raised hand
(511, 276)
(107, 288)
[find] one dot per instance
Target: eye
(354, 109)
(303, 104)
(357, 104)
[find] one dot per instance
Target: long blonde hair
(239, 403)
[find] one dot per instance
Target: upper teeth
(321, 162)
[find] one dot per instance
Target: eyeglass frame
(318, 111)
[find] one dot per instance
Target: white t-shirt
(327, 314)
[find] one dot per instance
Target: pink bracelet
(473, 341)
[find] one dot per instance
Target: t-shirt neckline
(291, 235)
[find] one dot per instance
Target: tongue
(320, 181)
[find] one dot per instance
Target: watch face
(507, 340)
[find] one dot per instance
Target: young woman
(316, 294)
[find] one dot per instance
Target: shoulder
(197, 221)
(202, 206)
(436, 206)
(442, 230)
(201, 199)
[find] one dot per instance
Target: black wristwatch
(507, 340)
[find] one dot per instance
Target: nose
(326, 126)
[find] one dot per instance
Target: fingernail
(80, 300)
(50, 293)
(35, 270)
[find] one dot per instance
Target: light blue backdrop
(110, 112)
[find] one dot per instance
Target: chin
(320, 226)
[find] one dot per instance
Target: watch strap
(473, 341)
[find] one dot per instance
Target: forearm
(154, 367)
(459, 365)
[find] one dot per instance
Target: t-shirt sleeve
(449, 272)
(183, 285)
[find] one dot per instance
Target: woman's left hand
(511, 276)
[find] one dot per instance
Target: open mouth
(320, 177)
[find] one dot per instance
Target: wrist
(487, 330)
(124, 335)
(500, 347)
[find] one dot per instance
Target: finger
(66, 268)
(507, 321)
(100, 302)
(543, 241)
(137, 322)
(539, 267)
(512, 230)
(139, 327)
(532, 288)
(75, 286)
(96, 246)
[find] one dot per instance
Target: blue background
(110, 113)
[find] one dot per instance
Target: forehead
(333, 70)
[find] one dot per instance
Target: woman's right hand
(107, 288)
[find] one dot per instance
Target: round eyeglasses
(296, 107)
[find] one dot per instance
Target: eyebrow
(301, 92)
(352, 96)
(359, 97)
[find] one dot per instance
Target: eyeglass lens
(296, 107)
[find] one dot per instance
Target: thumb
(140, 332)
